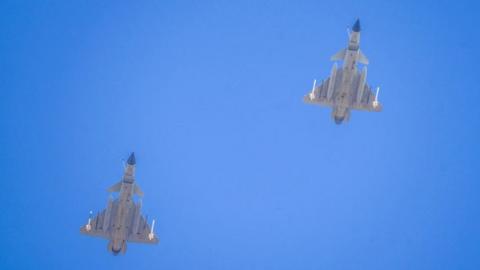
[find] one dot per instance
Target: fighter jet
(346, 88)
(122, 221)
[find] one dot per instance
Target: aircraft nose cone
(131, 159)
(356, 26)
(338, 120)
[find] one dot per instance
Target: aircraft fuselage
(344, 98)
(121, 226)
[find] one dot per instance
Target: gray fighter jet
(346, 88)
(122, 220)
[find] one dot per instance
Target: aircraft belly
(344, 91)
(120, 229)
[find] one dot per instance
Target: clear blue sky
(238, 172)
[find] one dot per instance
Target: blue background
(237, 170)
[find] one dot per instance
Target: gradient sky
(237, 170)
